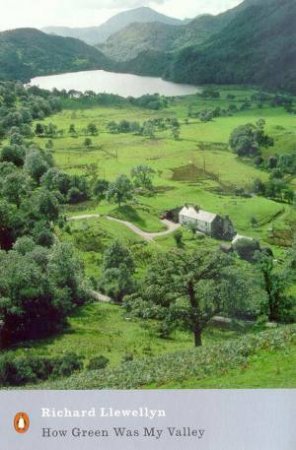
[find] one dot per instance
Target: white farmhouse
(207, 222)
(202, 219)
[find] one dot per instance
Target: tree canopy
(120, 191)
(39, 288)
(188, 289)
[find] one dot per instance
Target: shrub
(200, 236)
(246, 248)
(178, 236)
(67, 364)
(127, 357)
(45, 238)
(164, 330)
(17, 371)
(98, 363)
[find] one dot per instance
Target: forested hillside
(41, 279)
(258, 46)
(25, 53)
(136, 38)
(251, 44)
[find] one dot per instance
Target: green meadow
(268, 369)
(102, 329)
(198, 168)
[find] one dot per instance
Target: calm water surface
(121, 84)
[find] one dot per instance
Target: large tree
(120, 191)
(281, 304)
(39, 288)
(36, 164)
(14, 154)
(188, 289)
(7, 224)
(246, 140)
(117, 272)
(92, 129)
(142, 176)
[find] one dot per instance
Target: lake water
(121, 84)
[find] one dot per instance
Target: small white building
(207, 222)
(202, 219)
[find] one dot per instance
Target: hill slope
(95, 35)
(136, 38)
(196, 367)
(25, 53)
(257, 47)
(253, 43)
(141, 37)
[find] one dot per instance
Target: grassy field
(266, 369)
(260, 360)
(103, 329)
(199, 168)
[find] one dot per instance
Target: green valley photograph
(147, 194)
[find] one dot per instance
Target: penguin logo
(21, 422)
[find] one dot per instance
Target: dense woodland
(257, 45)
(41, 278)
(27, 53)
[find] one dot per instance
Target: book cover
(147, 224)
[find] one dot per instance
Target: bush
(247, 248)
(17, 371)
(200, 236)
(127, 357)
(64, 366)
(75, 196)
(98, 363)
(178, 236)
(45, 238)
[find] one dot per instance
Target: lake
(121, 84)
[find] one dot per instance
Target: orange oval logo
(21, 422)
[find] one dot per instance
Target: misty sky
(79, 13)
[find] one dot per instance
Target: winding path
(171, 226)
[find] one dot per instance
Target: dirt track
(171, 226)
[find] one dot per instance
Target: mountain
(253, 43)
(136, 38)
(256, 47)
(26, 53)
(99, 34)
(129, 42)
(141, 37)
